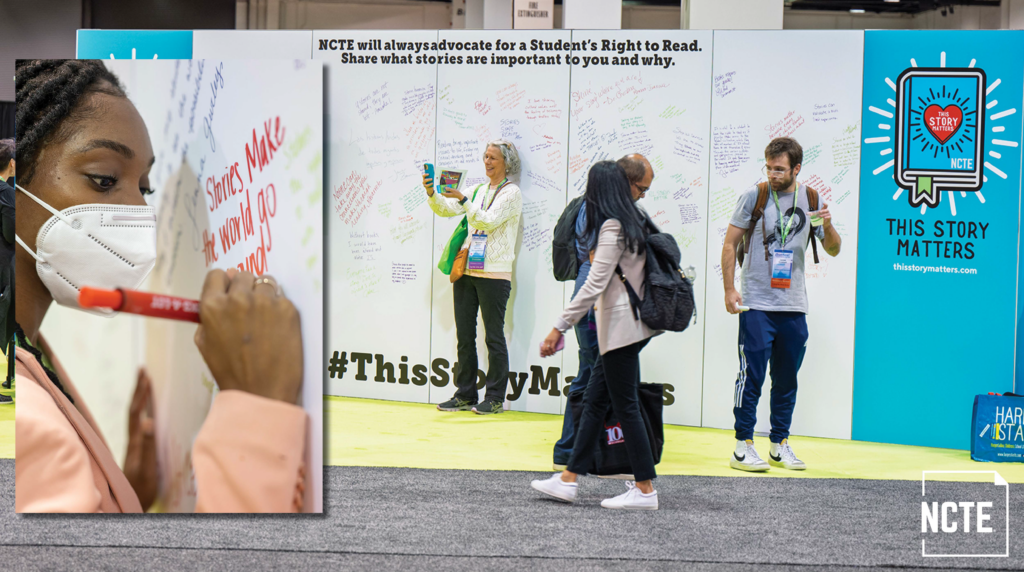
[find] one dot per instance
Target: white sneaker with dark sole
(781, 455)
(632, 499)
(555, 487)
(745, 458)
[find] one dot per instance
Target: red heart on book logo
(943, 123)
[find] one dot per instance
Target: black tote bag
(611, 457)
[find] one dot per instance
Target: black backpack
(668, 294)
(564, 263)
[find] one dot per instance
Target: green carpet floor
(372, 433)
(367, 433)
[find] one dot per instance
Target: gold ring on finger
(269, 281)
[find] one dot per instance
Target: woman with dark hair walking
(615, 231)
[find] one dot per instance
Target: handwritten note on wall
(402, 273)
(846, 150)
(689, 146)
(785, 127)
(689, 213)
(724, 84)
(731, 145)
(364, 245)
(354, 196)
(457, 152)
(825, 112)
(535, 236)
(407, 229)
(374, 102)
(510, 97)
(364, 281)
(723, 202)
(414, 98)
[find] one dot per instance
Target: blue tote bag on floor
(996, 431)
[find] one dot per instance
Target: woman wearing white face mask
(85, 155)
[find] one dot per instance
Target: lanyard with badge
(782, 260)
(478, 241)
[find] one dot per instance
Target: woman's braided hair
(51, 99)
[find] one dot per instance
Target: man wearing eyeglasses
(640, 174)
(772, 303)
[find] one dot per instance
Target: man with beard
(773, 304)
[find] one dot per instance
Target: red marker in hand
(141, 303)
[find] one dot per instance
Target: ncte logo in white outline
(963, 517)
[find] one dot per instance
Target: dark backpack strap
(634, 300)
(764, 233)
(758, 212)
(812, 203)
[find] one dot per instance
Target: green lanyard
(495, 196)
(500, 185)
(789, 223)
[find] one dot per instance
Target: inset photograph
(168, 329)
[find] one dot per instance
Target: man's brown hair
(785, 146)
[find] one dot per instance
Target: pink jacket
(616, 326)
(248, 456)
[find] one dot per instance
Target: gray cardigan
(616, 326)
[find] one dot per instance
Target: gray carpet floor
(410, 519)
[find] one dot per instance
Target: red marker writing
(142, 303)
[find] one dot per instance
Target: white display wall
(579, 97)
(755, 100)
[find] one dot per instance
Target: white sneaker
(781, 455)
(745, 458)
(632, 499)
(556, 487)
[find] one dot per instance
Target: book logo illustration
(937, 124)
(942, 133)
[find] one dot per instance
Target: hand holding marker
(271, 330)
(142, 303)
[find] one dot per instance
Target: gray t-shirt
(756, 278)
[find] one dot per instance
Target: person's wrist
(289, 395)
(463, 200)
